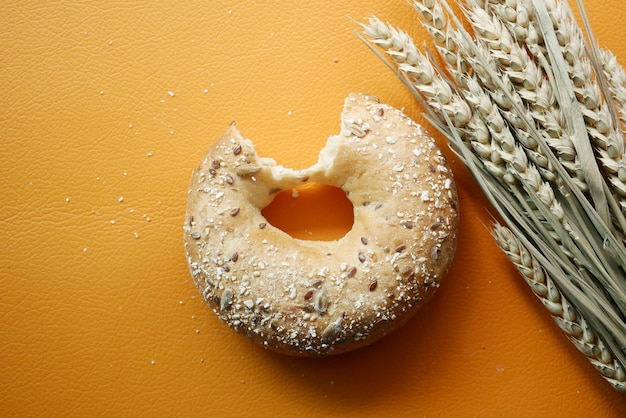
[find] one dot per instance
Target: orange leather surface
(105, 108)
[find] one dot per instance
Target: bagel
(315, 298)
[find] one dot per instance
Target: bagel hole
(313, 211)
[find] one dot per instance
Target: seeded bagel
(315, 298)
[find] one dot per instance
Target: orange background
(106, 107)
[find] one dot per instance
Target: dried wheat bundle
(537, 112)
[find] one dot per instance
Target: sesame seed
(195, 235)
(229, 179)
(364, 241)
(361, 257)
(373, 285)
(262, 225)
(308, 295)
(234, 212)
(234, 257)
(237, 150)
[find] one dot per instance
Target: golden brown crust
(324, 297)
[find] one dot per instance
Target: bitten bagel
(314, 298)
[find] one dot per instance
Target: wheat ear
(616, 167)
(563, 312)
(419, 72)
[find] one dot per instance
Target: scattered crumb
(171, 93)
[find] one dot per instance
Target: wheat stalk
(525, 103)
